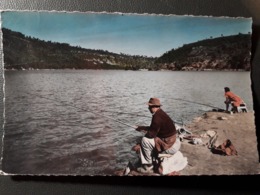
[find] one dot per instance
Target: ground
(238, 127)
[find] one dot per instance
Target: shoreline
(239, 128)
(160, 70)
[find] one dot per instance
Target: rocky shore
(213, 129)
(239, 128)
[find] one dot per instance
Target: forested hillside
(222, 53)
(22, 52)
(231, 52)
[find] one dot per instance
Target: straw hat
(154, 102)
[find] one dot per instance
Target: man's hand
(136, 148)
(142, 129)
(138, 128)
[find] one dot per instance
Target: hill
(223, 53)
(231, 52)
(23, 52)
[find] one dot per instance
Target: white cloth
(147, 148)
(174, 148)
(176, 162)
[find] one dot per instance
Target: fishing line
(63, 103)
(88, 110)
(196, 103)
(145, 116)
(139, 115)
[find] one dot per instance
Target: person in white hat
(161, 136)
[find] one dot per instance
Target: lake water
(66, 121)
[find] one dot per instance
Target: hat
(154, 102)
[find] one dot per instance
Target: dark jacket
(162, 126)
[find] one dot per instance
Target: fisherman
(161, 137)
(232, 99)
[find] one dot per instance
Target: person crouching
(232, 99)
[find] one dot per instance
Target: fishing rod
(196, 103)
(140, 115)
(66, 104)
(145, 116)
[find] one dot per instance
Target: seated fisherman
(161, 136)
(232, 99)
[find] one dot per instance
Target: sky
(133, 34)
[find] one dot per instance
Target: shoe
(126, 171)
(145, 169)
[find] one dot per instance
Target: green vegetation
(231, 52)
(23, 52)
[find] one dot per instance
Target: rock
(222, 118)
(197, 119)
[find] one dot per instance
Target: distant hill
(24, 52)
(231, 52)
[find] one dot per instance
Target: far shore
(192, 70)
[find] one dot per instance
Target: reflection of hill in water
(22, 52)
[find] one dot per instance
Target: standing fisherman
(161, 136)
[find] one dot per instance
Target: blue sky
(150, 35)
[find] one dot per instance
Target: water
(59, 121)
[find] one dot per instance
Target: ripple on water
(73, 130)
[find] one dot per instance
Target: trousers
(148, 148)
